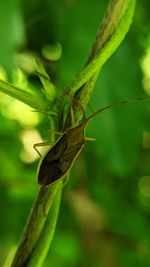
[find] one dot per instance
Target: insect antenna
(116, 105)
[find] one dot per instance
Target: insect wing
(49, 171)
(57, 150)
(52, 170)
(69, 157)
(50, 165)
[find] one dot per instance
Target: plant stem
(110, 35)
(48, 231)
(34, 225)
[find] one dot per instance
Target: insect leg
(41, 144)
(72, 117)
(90, 138)
(54, 132)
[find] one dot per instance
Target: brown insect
(59, 159)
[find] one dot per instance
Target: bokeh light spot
(144, 186)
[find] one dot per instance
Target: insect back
(59, 159)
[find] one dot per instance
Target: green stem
(47, 234)
(114, 29)
(34, 225)
(113, 38)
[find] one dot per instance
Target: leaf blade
(28, 98)
(49, 87)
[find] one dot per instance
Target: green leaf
(26, 97)
(49, 87)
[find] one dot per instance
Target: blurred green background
(105, 211)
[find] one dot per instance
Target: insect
(59, 159)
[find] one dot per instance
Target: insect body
(59, 159)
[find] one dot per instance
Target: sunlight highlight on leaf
(3, 73)
(144, 186)
(29, 138)
(26, 62)
(22, 113)
(10, 256)
(145, 65)
(19, 78)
